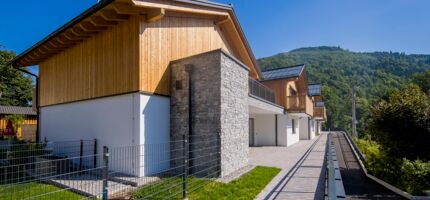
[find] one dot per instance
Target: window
(293, 125)
(293, 92)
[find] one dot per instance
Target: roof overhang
(298, 114)
(109, 12)
(260, 106)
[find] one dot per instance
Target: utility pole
(354, 118)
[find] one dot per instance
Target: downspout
(276, 130)
(37, 100)
(189, 69)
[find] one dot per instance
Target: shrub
(415, 176)
(410, 176)
(400, 123)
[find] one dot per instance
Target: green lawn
(27, 190)
(246, 187)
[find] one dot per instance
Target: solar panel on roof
(314, 90)
(286, 72)
(319, 104)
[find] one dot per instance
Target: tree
(401, 123)
(15, 87)
(16, 120)
(423, 80)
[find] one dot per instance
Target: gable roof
(314, 90)
(12, 110)
(63, 37)
(283, 72)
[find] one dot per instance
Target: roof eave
(96, 7)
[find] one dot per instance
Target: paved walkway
(303, 170)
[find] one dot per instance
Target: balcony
(320, 113)
(299, 104)
(261, 91)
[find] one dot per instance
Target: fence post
(81, 154)
(185, 172)
(105, 172)
(95, 154)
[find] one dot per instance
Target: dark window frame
(293, 122)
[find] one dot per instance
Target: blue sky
(271, 26)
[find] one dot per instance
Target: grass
(27, 190)
(246, 187)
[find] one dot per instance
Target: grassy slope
(246, 187)
(33, 190)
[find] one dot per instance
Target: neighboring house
(129, 72)
(298, 122)
(27, 128)
(320, 112)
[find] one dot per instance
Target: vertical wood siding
(104, 64)
(131, 56)
(173, 38)
(29, 120)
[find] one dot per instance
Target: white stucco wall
(313, 128)
(282, 130)
(130, 121)
(303, 128)
(264, 129)
(154, 116)
(292, 138)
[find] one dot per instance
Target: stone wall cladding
(219, 91)
(234, 115)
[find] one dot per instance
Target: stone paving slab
(88, 185)
(303, 172)
(310, 172)
(296, 195)
(134, 181)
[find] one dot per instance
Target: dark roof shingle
(17, 110)
(284, 72)
(319, 104)
(314, 90)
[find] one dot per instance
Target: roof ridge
(291, 66)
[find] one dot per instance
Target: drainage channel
(356, 184)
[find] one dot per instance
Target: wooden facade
(26, 128)
(173, 38)
(320, 113)
(102, 65)
(292, 94)
(126, 46)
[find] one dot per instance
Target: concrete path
(303, 169)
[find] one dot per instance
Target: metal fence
(162, 170)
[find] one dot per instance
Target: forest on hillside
(338, 70)
(393, 107)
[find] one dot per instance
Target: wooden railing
(300, 104)
(259, 90)
(320, 112)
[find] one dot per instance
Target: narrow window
(294, 125)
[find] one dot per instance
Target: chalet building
(292, 93)
(130, 72)
(26, 129)
(320, 113)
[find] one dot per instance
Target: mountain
(338, 70)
